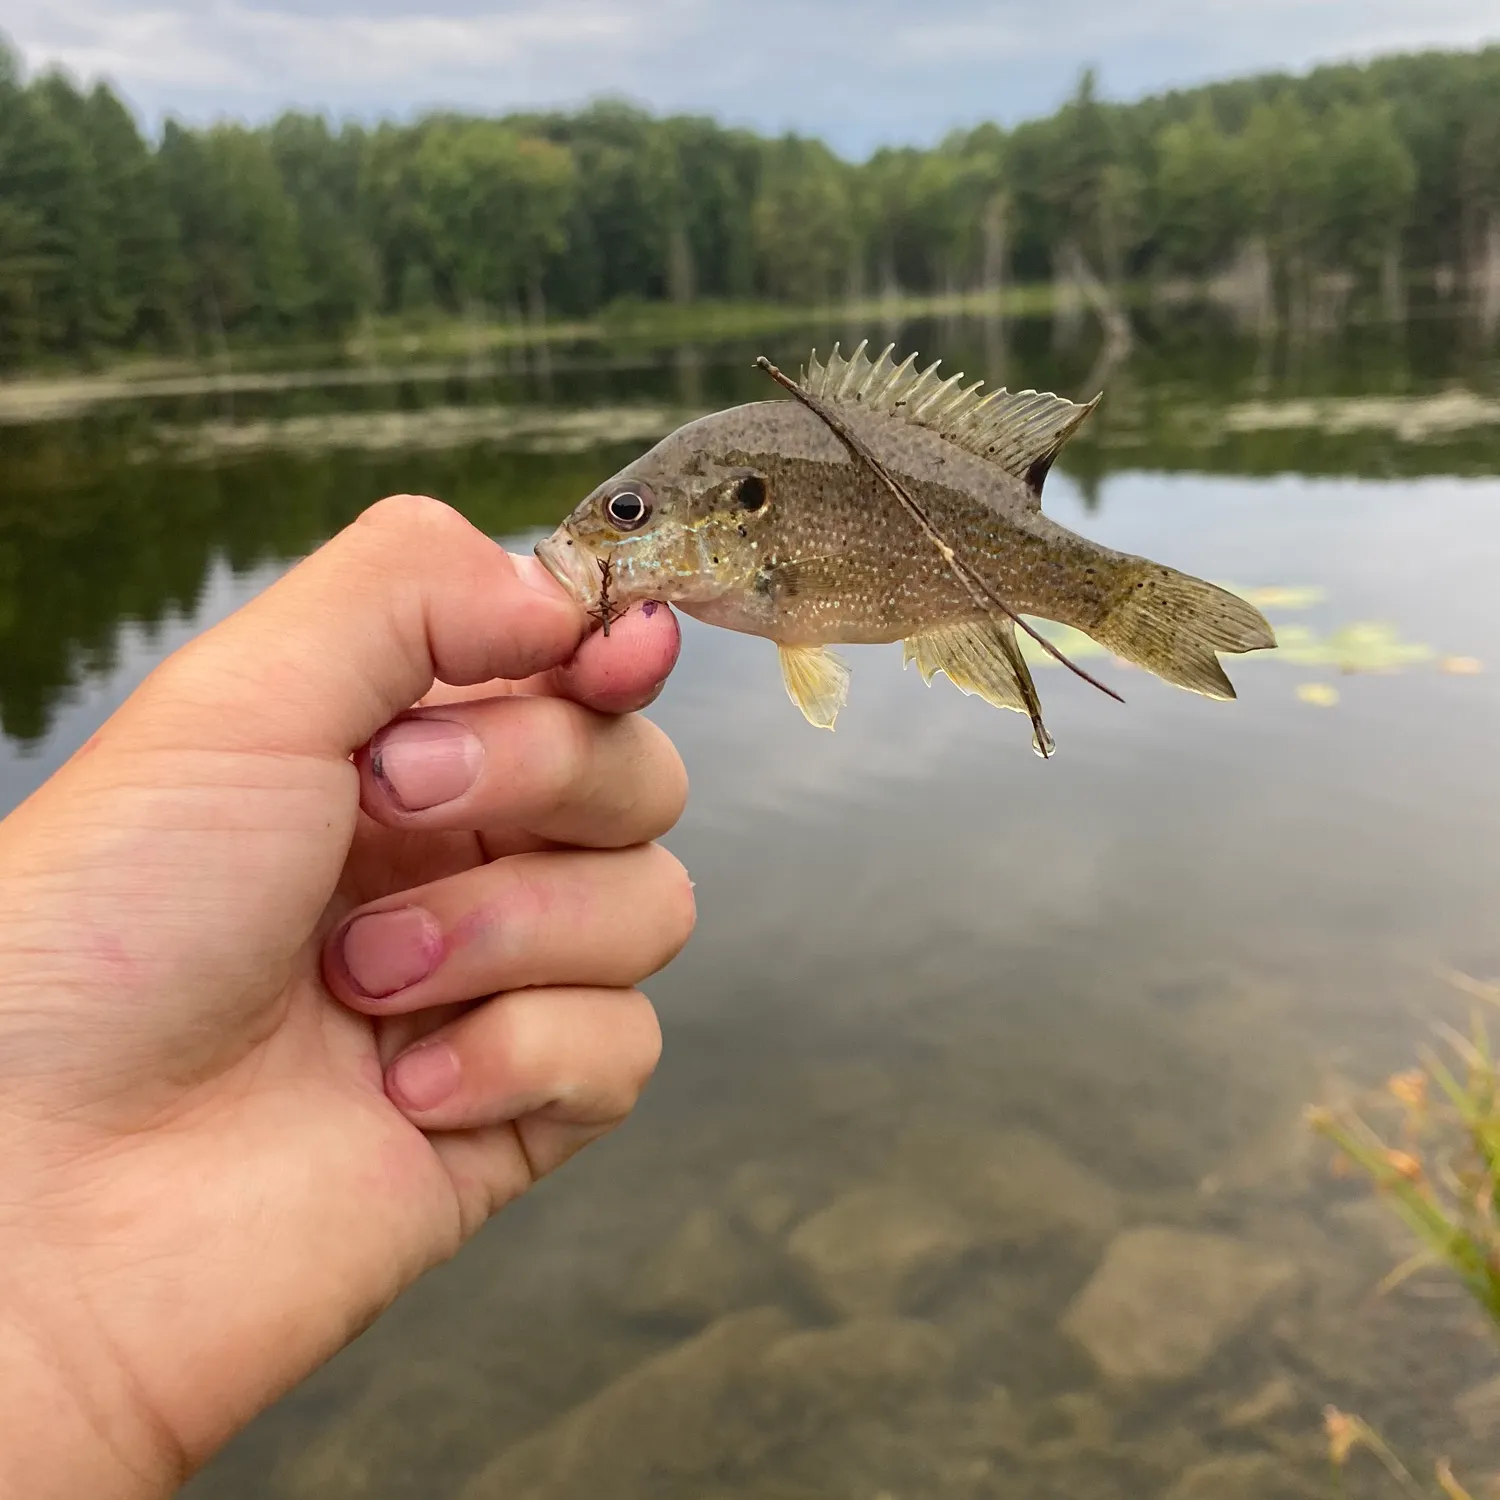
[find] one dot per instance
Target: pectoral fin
(817, 681)
(983, 658)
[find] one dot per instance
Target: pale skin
(319, 953)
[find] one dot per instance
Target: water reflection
(975, 1166)
(115, 517)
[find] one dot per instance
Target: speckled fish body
(762, 520)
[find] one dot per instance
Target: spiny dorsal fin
(1019, 431)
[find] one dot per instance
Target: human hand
(246, 1092)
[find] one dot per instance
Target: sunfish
(775, 519)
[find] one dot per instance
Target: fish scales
(893, 579)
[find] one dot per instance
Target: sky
(858, 73)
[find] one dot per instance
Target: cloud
(859, 72)
(265, 52)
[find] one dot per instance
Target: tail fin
(1172, 625)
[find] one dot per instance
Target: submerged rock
(1276, 1396)
(832, 1367)
(672, 1418)
(875, 1248)
(1479, 1408)
(1164, 1300)
(768, 1197)
(1074, 1423)
(1238, 1476)
(708, 1267)
(1014, 1187)
(715, 1412)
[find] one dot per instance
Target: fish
(887, 504)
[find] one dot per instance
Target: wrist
(72, 1421)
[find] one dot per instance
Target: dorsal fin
(1019, 431)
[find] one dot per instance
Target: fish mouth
(573, 566)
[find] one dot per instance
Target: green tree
(1368, 187)
(80, 294)
(718, 179)
(240, 234)
(1203, 205)
(26, 258)
(1095, 193)
(1287, 173)
(321, 173)
(1477, 164)
(495, 208)
(981, 190)
(111, 241)
(804, 227)
(883, 198)
(150, 275)
(626, 204)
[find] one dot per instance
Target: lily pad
(1365, 646)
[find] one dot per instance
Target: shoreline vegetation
(1300, 204)
(438, 349)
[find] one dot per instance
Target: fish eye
(751, 492)
(628, 510)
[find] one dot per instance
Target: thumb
(409, 594)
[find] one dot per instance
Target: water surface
(963, 1036)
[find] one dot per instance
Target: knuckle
(670, 773)
(675, 901)
(516, 1041)
(644, 1051)
(404, 517)
(562, 752)
(518, 909)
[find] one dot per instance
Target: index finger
(356, 633)
(621, 672)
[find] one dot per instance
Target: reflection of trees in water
(92, 536)
(1204, 355)
(90, 541)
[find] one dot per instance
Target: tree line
(1364, 177)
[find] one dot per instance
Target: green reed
(1435, 1159)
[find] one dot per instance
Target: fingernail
(424, 1077)
(424, 763)
(387, 951)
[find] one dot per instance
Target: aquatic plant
(1439, 1167)
(1347, 1433)
(1435, 1159)
(1364, 646)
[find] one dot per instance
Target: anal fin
(983, 657)
(817, 681)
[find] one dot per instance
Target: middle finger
(519, 769)
(574, 917)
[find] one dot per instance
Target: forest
(1342, 188)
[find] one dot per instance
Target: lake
(975, 1165)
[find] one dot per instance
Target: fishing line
(978, 590)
